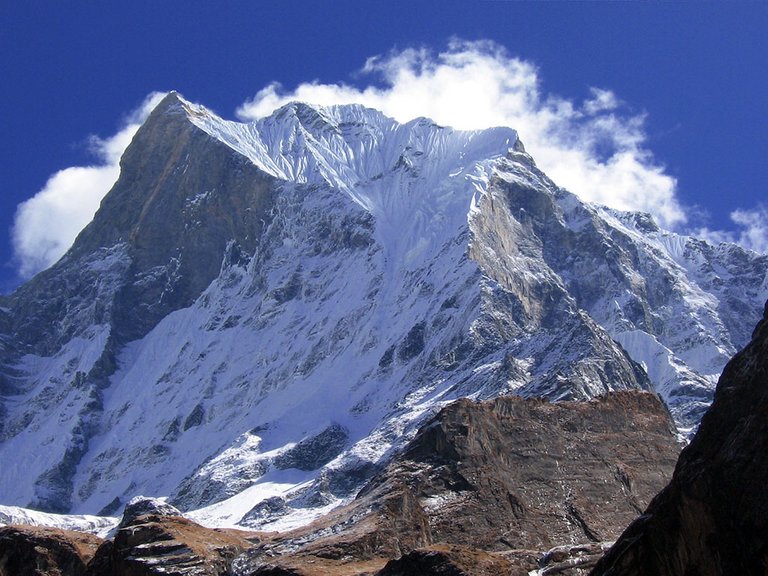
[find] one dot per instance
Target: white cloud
(754, 228)
(594, 148)
(751, 232)
(46, 225)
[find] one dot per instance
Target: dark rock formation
(449, 561)
(181, 198)
(170, 545)
(530, 473)
(38, 551)
(500, 476)
(313, 452)
(712, 518)
(570, 560)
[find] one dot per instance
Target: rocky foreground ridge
(487, 486)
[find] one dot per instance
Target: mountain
(711, 518)
(267, 312)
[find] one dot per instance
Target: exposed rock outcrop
(712, 518)
(143, 506)
(144, 545)
(169, 545)
(500, 476)
(39, 551)
(530, 473)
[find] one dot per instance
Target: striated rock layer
(504, 475)
(151, 539)
(169, 545)
(712, 518)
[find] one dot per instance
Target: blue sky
(678, 90)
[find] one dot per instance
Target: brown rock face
(169, 545)
(38, 551)
(712, 518)
(150, 544)
(533, 474)
(505, 475)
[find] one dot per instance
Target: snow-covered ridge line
(99, 525)
(348, 145)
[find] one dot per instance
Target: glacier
(261, 314)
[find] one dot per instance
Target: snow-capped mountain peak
(349, 146)
(261, 314)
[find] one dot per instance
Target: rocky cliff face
(711, 518)
(500, 476)
(158, 240)
(267, 312)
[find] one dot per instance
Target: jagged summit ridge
(319, 282)
(351, 145)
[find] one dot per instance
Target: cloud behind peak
(595, 148)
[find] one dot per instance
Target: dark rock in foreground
(449, 561)
(39, 551)
(170, 545)
(143, 546)
(712, 518)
